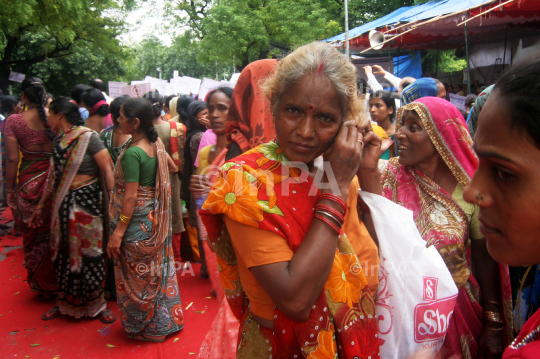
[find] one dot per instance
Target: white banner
(192, 85)
(208, 85)
(137, 90)
(115, 88)
(16, 76)
(458, 101)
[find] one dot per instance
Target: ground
(24, 335)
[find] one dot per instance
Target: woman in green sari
(146, 284)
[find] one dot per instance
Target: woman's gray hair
(322, 59)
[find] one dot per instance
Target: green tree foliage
(246, 30)
(182, 55)
(364, 11)
(84, 64)
(448, 62)
(38, 30)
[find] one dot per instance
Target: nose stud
(479, 198)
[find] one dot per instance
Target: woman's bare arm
(103, 160)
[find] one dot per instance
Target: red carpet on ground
(24, 335)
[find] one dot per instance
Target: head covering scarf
(475, 111)
(172, 109)
(448, 132)
(193, 127)
(249, 122)
(423, 87)
(442, 222)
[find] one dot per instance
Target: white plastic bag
(416, 295)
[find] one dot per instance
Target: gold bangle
(125, 219)
(493, 317)
(40, 206)
(492, 302)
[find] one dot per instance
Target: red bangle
(330, 210)
(334, 198)
(329, 223)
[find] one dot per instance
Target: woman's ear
(136, 123)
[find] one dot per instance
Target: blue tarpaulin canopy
(446, 31)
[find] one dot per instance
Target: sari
(220, 341)
(77, 230)
(253, 190)
(249, 122)
(33, 174)
(527, 343)
(146, 285)
(107, 136)
(442, 222)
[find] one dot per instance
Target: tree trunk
(5, 68)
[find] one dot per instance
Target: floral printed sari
(146, 284)
(262, 189)
(77, 230)
(443, 223)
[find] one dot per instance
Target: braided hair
(33, 89)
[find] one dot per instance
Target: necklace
(29, 108)
(137, 140)
(531, 337)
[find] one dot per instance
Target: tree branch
(56, 53)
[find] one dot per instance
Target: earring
(479, 198)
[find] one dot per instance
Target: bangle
(11, 191)
(124, 219)
(334, 198)
(493, 317)
(48, 190)
(334, 227)
(40, 206)
(492, 302)
(330, 216)
(331, 210)
(496, 329)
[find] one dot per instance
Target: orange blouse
(270, 248)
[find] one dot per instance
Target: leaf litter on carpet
(105, 330)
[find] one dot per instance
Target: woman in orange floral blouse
(275, 214)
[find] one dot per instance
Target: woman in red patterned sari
(436, 162)
(289, 272)
(31, 133)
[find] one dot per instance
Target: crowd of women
(281, 239)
